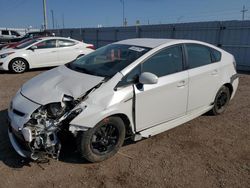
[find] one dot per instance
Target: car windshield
(26, 44)
(108, 60)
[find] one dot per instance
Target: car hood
(52, 85)
(7, 50)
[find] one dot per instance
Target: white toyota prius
(42, 52)
(133, 89)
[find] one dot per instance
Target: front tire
(18, 65)
(221, 101)
(103, 141)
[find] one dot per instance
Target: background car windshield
(26, 44)
(108, 60)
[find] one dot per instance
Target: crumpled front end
(34, 128)
(19, 113)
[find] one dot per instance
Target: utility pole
(244, 10)
(52, 17)
(63, 21)
(123, 12)
(45, 15)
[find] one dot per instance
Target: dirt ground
(206, 152)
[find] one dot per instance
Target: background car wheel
(103, 141)
(18, 65)
(221, 101)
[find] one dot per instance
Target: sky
(108, 13)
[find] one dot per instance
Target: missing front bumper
(17, 146)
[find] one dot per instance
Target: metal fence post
(82, 34)
(97, 38)
(219, 34)
(138, 31)
(116, 33)
(173, 32)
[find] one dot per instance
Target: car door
(67, 50)
(203, 76)
(166, 100)
(45, 55)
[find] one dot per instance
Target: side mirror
(33, 48)
(148, 78)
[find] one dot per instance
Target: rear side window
(5, 32)
(165, 62)
(198, 55)
(216, 55)
(65, 43)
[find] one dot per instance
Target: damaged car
(132, 89)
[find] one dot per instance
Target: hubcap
(222, 100)
(19, 66)
(105, 139)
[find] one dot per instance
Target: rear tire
(103, 141)
(18, 65)
(221, 101)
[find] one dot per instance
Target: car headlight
(55, 110)
(5, 55)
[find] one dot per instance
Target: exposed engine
(41, 131)
(45, 123)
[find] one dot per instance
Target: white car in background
(133, 89)
(42, 52)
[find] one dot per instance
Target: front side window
(165, 62)
(65, 43)
(131, 78)
(108, 60)
(198, 55)
(46, 44)
(14, 33)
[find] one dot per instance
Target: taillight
(91, 47)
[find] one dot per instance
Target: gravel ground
(206, 152)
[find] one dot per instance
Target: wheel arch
(126, 121)
(230, 87)
(21, 59)
(125, 118)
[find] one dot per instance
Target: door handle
(181, 83)
(214, 72)
(53, 51)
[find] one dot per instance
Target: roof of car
(49, 37)
(146, 42)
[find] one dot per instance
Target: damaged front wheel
(103, 141)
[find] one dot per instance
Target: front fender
(121, 102)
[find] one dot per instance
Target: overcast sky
(90, 13)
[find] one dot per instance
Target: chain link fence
(233, 36)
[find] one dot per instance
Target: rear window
(5, 32)
(26, 44)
